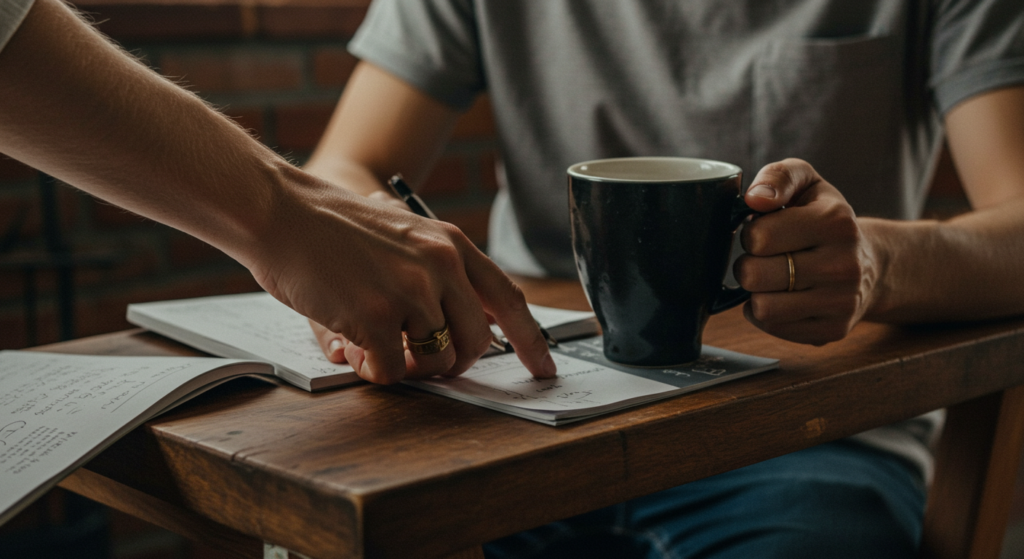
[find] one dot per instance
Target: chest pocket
(837, 104)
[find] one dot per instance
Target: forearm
(381, 126)
(78, 108)
(966, 268)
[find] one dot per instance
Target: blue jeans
(836, 500)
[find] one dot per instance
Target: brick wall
(278, 70)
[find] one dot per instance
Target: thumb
(780, 184)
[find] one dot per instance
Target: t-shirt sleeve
(431, 44)
(977, 46)
(12, 12)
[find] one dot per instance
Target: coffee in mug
(652, 237)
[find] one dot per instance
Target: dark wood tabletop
(373, 471)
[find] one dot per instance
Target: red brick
(251, 119)
(332, 67)
(45, 282)
(11, 285)
(472, 221)
(13, 170)
(13, 334)
(185, 251)
(300, 127)
(157, 22)
(477, 122)
(489, 171)
(143, 260)
(448, 178)
(11, 207)
(69, 200)
(21, 207)
(310, 21)
(235, 70)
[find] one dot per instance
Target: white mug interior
(653, 169)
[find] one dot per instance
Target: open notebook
(257, 326)
(59, 411)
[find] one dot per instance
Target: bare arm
(78, 108)
(381, 126)
(851, 268)
(971, 266)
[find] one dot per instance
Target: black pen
(399, 188)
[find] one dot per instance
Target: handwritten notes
(587, 384)
(56, 411)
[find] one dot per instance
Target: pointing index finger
(503, 300)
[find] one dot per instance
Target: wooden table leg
(976, 466)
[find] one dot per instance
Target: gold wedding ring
(434, 344)
(792, 272)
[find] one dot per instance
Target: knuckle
(440, 252)
(746, 271)
(778, 171)
(797, 163)
(761, 308)
(756, 238)
(842, 222)
(474, 343)
(843, 271)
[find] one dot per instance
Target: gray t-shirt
(12, 12)
(855, 88)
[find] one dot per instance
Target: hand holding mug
(834, 269)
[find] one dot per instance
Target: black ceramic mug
(652, 237)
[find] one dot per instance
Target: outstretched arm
(75, 106)
(851, 268)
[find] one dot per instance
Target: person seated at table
(840, 109)
(78, 108)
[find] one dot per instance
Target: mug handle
(729, 297)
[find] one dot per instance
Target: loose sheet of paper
(587, 381)
(57, 409)
(580, 384)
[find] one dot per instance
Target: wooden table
(371, 471)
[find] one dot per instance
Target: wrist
(878, 253)
(902, 284)
(351, 176)
(280, 192)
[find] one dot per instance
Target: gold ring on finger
(436, 343)
(792, 272)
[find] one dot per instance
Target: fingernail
(762, 191)
(335, 346)
(550, 369)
